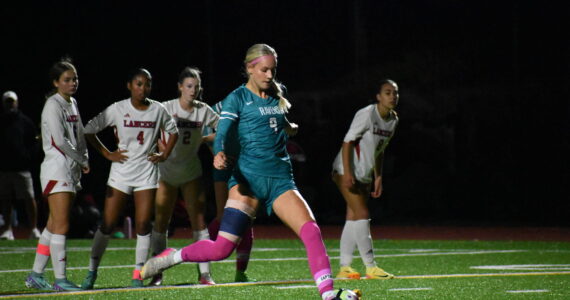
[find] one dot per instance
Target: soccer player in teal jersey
(221, 178)
(262, 175)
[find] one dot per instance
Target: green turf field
(423, 269)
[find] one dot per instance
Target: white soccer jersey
(137, 132)
(183, 163)
(370, 134)
(62, 141)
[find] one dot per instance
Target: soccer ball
(346, 294)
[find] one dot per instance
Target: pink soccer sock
(213, 229)
(207, 250)
(243, 250)
(317, 255)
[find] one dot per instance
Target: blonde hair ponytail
(256, 51)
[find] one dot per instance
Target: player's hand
(157, 157)
(85, 169)
(377, 188)
(118, 156)
(348, 180)
(292, 129)
(222, 161)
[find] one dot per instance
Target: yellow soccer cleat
(377, 273)
(347, 272)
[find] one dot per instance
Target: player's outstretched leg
(233, 224)
(200, 251)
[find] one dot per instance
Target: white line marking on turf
(295, 287)
(535, 267)
(305, 258)
(411, 289)
(482, 275)
(529, 291)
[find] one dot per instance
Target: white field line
(529, 291)
(534, 267)
(303, 259)
(295, 287)
(411, 289)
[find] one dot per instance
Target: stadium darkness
(484, 132)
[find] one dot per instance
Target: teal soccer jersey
(260, 123)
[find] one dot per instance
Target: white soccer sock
(202, 235)
(347, 244)
(41, 260)
(178, 256)
(100, 242)
(58, 255)
(141, 254)
(361, 233)
(158, 242)
(329, 294)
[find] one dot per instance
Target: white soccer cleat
(158, 263)
(7, 235)
(35, 234)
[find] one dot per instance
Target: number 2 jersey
(136, 131)
(370, 134)
(183, 164)
(260, 129)
(62, 141)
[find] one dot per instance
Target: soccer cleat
(62, 285)
(7, 235)
(156, 280)
(137, 280)
(35, 234)
(37, 281)
(347, 272)
(89, 280)
(377, 273)
(158, 263)
(241, 276)
(346, 294)
(206, 278)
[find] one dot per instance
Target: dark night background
(484, 132)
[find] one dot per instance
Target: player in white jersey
(137, 122)
(182, 171)
(358, 162)
(65, 158)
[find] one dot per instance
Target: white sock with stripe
(141, 254)
(58, 255)
(347, 243)
(42, 252)
(361, 233)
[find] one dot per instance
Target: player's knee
(221, 251)
(310, 230)
(143, 228)
(235, 221)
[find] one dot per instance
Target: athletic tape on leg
(234, 221)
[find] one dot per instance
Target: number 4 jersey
(136, 131)
(183, 164)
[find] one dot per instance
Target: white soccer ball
(346, 294)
